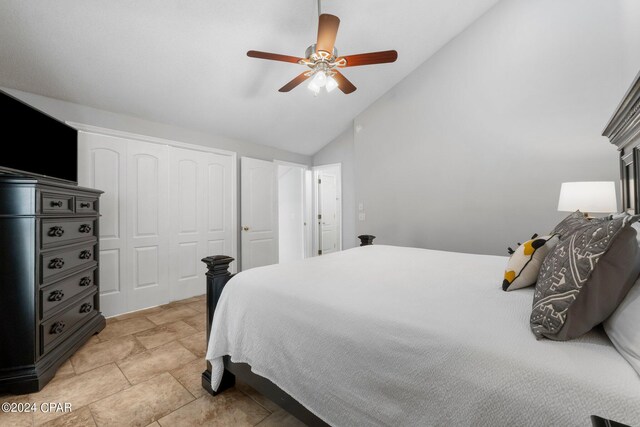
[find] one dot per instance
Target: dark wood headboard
(623, 131)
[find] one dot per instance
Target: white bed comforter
(384, 335)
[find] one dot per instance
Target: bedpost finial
(218, 265)
(366, 239)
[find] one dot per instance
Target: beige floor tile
(141, 404)
(199, 321)
(125, 327)
(190, 376)
(281, 418)
(231, 408)
(102, 353)
(198, 306)
(79, 418)
(16, 419)
(65, 371)
(196, 344)
(80, 390)
(260, 399)
(155, 337)
(141, 367)
(139, 313)
(197, 298)
(172, 315)
(154, 424)
(93, 340)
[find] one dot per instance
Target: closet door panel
(147, 218)
(102, 165)
(187, 190)
(221, 225)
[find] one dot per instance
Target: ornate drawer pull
(57, 204)
(56, 295)
(85, 254)
(56, 231)
(85, 228)
(56, 263)
(85, 308)
(57, 327)
(85, 281)
(85, 205)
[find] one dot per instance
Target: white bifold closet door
(163, 210)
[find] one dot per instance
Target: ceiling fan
(323, 60)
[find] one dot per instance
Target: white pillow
(623, 325)
(636, 225)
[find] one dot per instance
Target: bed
(382, 335)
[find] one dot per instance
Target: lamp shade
(588, 197)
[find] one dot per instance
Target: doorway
(327, 233)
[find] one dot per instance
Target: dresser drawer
(55, 263)
(57, 203)
(55, 330)
(63, 231)
(86, 206)
(58, 294)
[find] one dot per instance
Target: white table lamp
(588, 197)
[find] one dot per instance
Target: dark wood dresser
(49, 290)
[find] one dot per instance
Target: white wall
(468, 152)
(341, 150)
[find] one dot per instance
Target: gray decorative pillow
(574, 221)
(585, 278)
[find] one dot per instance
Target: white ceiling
(184, 62)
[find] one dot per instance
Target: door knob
(245, 228)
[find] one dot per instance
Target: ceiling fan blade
(293, 83)
(327, 32)
(345, 85)
(370, 58)
(272, 56)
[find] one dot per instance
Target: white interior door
(329, 209)
(259, 213)
(291, 212)
(147, 224)
(102, 164)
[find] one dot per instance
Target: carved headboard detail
(623, 131)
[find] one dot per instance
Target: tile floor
(144, 369)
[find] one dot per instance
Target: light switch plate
(361, 216)
(360, 206)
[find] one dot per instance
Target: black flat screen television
(36, 144)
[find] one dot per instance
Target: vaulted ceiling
(184, 62)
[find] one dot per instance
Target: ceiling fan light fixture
(323, 61)
(320, 78)
(313, 87)
(331, 84)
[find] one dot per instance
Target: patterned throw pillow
(525, 262)
(585, 278)
(574, 221)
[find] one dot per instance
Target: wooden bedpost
(217, 278)
(366, 239)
